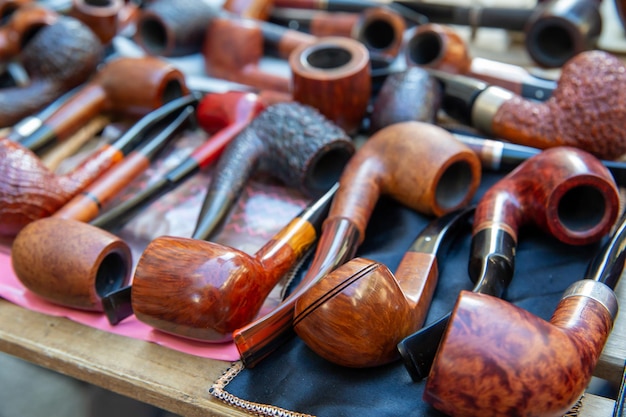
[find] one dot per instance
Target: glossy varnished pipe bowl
(79, 269)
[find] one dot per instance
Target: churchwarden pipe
(444, 179)
(224, 116)
(497, 359)
(30, 191)
(204, 290)
(57, 58)
(86, 205)
(359, 312)
(129, 86)
(289, 141)
(23, 23)
(441, 47)
(591, 80)
(564, 191)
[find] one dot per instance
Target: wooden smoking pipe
(105, 17)
(70, 263)
(30, 191)
(439, 46)
(57, 58)
(21, 26)
(289, 141)
(497, 359)
(331, 74)
(586, 109)
(173, 28)
(251, 9)
(359, 312)
(444, 179)
(380, 29)
(223, 116)
(564, 191)
(125, 86)
(204, 290)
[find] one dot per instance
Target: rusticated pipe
(380, 29)
(497, 359)
(173, 28)
(586, 109)
(57, 58)
(102, 16)
(125, 86)
(438, 46)
(211, 289)
(289, 141)
(564, 191)
(23, 23)
(359, 312)
(445, 181)
(251, 9)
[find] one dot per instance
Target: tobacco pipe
(212, 289)
(57, 58)
(104, 17)
(289, 141)
(251, 9)
(124, 86)
(21, 26)
(87, 205)
(585, 110)
(384, 165)
(359, 312)
(564, 191)
(440, 47)
(542, 367)
(172, 29)
(380, 29)
(223, 116)
(31, 191)
(322, 70)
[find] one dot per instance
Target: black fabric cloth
(295, 378)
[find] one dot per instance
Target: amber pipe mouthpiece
(212, 289)
(70, 263)
(359, 312)
(440, 47)
(57, 58)
(173, 28)
(127, 86)
(446, 180)
(533, 356)
(564, 191)
(289, 141)
(591, 79)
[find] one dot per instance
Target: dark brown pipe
(21, 27)
(104, 17)
(498, 359)
(125, 86)
(211, 289)
(438, 46)
(418, 164)
(586, 109)
(8, 7)
(380, 29)
(289, 141)
(173, 28)
(57, 58)
(359, 312)
(251, 9)
(40, 255)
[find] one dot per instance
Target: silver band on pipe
(595, 290)
(486, 105)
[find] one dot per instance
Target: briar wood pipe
(591, 80)
(104, 17)
(125, 86)
(58, 57)
(438, 46)
(211, 289)
(289, 141)
(22, 25)
(321, 70)
(380, 29)
(223, 116)
(251, 9)
(385, 164)
(496, 357)
(564, 191)
(359, 312)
